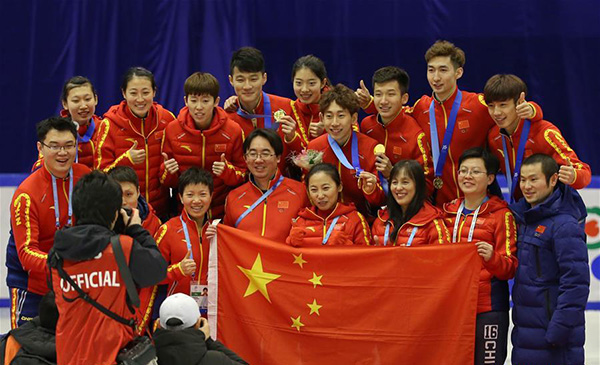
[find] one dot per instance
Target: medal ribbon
(326, 238)
(86, 138)
(473, 221)
(439, 158)
(55, 196)
(267, 116)
(412, 236)
(512, 182)
(258, 201)
(386, 235)
(337, 150)
(187, 240)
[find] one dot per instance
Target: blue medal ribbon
(337, 150)
(512, 182)
(258, 201)
(187, 239)
(386, 235)
(267, 116)
(439, 158)
(55, 196)
(412, 236)
(473, 221)
(326, 238)
(86, 138)
(384, 183)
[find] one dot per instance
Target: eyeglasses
(474, 173)
(263, 155)
(55, 148)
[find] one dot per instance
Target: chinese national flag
(276, 304)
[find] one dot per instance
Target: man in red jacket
(399, 132)
(40, 206)
(453, 120)
(204, 136)
(253, 108)
(513, 139)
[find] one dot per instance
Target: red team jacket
(429, 222)
(304, 114)
(351, 192)
(495, 225)
(309, 228)
(403, 139)
(545, 138)
(117, 133)
(84, 335)
(277, 103)
(192, 147)
(86, 151)
(171, 243)
(33, 226)
(273, 217)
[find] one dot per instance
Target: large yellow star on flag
(316, 280)
(314, 307)
(296, 323)
(299, 260)
(258, 278)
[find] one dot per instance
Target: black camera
(120, 224)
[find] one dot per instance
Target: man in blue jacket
(553, 279)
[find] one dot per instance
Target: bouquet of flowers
(307, 159)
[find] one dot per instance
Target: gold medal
(379, 149)
(438, 183)
(278, 115)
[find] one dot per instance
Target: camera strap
(125, 275)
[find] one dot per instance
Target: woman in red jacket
(309, 78)
(327, 222)
(408, 219)
(486, 220)
(131, 135)
(79, 100)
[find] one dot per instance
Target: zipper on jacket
(538, 267)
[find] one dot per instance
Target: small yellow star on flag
(316, 280)
(258, 278)
(296, 323)
(299, 260)
(314, 307)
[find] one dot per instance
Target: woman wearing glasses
(485, 220)
(268, 202)
(408, 219)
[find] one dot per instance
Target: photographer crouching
(95, 273)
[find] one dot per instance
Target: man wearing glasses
(267, 196)
(40, 207)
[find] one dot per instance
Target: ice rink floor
(592, 345)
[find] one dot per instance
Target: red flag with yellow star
(276, 304)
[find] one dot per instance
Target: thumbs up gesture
(566, 173)
(524, 109)
(218, 167)
(171, 164)
(363, 94)
(137, 156)
(187, 265)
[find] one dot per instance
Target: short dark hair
(48, 311)
(123, 174)
(72, 83)
(327, 169)
(502, 87)
(195, 175)
(549, 165)
(57, 123)
(443, 48)
(137, 72)
(342, 96)
(247, 59)
(268, 134)
(96, 199)
(415, 172)
(392, 73)
(312, 63)
(491, 163)
(201, 83)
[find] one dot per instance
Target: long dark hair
(414, 171)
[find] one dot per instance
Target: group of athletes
(301, 172)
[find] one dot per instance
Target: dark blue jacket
(552, 281)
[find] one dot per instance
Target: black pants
(491, 336)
